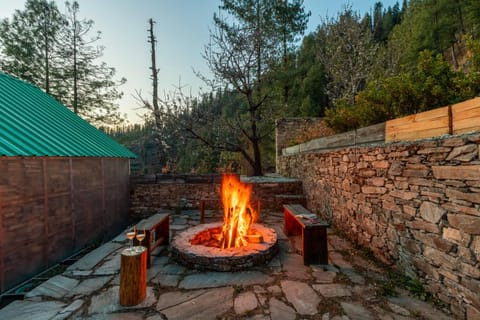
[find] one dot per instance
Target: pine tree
(56, 52)
(30, 42)
(90, 88)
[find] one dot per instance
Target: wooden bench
(298, 220)
(157, 232)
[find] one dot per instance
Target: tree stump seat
(133, 276)
(298, 220)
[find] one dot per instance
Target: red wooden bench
(298, 220)
(157, 232)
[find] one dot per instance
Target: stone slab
(91, 259)
(198, 304)
(333, 290)
(221, 279)
(324, 276)
(109, 267)
(108, 301)
(166, 280)
(338, 260)
(31, 310)
(56, 287)
(172, 268)
(105, 302)
(70, 310)
(353, 275)
(356, 311)
(245, 302)
(117, 316)
(303, 298)
(275, 290)
(173, 298)
(78, 273)
(292, 265)
(281, 311)
(89, 286)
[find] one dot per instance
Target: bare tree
(245, 46)
(155, 70)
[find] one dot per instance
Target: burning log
(238, 214)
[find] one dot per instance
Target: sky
(182, 30)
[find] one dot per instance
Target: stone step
(281, 199)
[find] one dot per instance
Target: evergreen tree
(30, 43)
(90, 88)
(308, 97)
(56, 52)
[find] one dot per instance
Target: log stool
(133, 276)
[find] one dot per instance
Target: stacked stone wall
(415, 205)
(150, 193)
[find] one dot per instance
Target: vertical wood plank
(2, 231)
(104, 211)
(45, 213)
(72, 202)
(466, 116)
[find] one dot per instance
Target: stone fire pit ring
(202, 257)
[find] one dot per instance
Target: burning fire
(238, 215)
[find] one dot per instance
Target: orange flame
(238, 215)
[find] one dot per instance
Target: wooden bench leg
(315, 248)
(290, 225)
(165, 230)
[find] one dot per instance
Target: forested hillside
(355, 70)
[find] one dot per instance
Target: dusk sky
(182, 30)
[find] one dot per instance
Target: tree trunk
(47, 66)
(154, 75)
(133, 277)
(75, 71)
(257, 167)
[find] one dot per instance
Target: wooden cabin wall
(52, 207)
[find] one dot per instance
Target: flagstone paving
(348, 288)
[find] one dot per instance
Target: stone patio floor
(349, 287)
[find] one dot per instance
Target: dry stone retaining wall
(149, 193)
(415, 205)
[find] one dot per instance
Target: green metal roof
(32, 123)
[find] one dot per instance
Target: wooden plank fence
(459, 118)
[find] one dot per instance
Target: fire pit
(237, 243)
